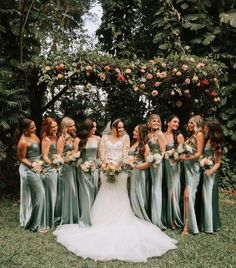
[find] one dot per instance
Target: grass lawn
(20, 248)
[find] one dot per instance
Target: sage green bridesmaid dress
(211, 217)
(69, 192)
(25, 199)
(88, 184)
(37, 215)
(192, 174)
(138, 189)
(156, 174)
(50, 179)
(172, 171)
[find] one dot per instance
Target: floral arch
(180, 84)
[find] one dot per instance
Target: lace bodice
(114, 151)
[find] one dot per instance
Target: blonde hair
(198, 122)
(152, 117)
(65, 122)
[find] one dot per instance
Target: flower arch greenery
(180, 84)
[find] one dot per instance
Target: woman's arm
(162, 141)
(180, 139)
(145, 164)
(46, 143)
(60, 145)
(213, 169)
(22, 153)
(76, 144)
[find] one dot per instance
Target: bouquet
(88, 166)
(57, 161)
(37, 166)
(128, 163)
(72, 157)
(111, 170)
(206, 163)
(154, 159)
(172, 155)
(184, 149)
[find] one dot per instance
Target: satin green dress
(192, 174)
(69, 192)
(138, 189)
(50, 178)
(88, 184)
(156, 174)
(37, 215)
(172, 177)
(211, 218)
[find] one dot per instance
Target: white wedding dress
(116, 233)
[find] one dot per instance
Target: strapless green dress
(37, 213)
(156, 174)
(50, 178)
(172, 171)
(69, 192)
(211, 217)
(88, 184)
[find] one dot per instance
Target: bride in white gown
(116, 233)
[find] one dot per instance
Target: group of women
(95, 216)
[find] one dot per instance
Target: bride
(116, 233)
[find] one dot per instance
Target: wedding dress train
(116, 233)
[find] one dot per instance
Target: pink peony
(178, 73)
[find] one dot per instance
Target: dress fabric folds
(211, 217)
(88, 184)
(172, 177)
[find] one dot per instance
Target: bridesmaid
(49, 140)
(32, 207)
(69, 191)
(172, 171)
(88, 182)
(213, 151)
(157, 144)
(192, 172)
(139, 175)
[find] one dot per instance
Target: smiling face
(155, 124)
(93, 129)
(32, 128)
(120, 129)
(71, 127)
(173, 124)
(53, 129)
(136, 133)
(191, 125)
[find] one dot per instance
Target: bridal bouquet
(206, 163)
(111, 170)
(172, 155)
(37, 166)
(184, 149)
(72, 158)
(154, 159)
(88, 166)
(57, 161)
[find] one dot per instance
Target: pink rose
(154, 93)
(185, 67)
(187, 81)
(157, 84)
(149, 76)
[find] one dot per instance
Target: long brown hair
(215, 135)
(84, 131)
(143, 138)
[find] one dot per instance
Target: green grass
(20, 248)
